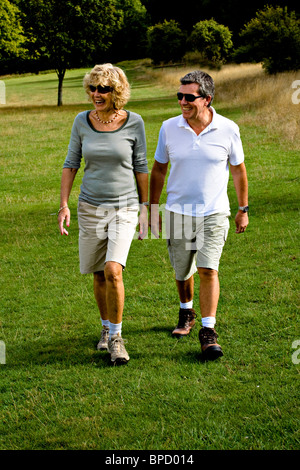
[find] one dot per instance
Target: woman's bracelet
(61, 208)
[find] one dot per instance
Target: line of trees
(38, 35)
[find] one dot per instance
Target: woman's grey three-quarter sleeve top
(111, 158)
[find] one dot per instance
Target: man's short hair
(205, 82)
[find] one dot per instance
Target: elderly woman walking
(114, 189)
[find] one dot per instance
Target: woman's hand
(64, 215)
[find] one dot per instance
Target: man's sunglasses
(100, 89)
(188, 97)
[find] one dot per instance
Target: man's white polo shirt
(199, 173)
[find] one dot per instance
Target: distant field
(265, 100)
(56, 390)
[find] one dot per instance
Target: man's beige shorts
(195, 242)
(105, 234)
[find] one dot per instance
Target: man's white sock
(209, 322)
(186, 304)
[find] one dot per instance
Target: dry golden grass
(265, 100)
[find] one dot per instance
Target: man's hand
(155, 220)
(143, 222)
(241, 221)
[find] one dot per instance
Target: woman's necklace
(105, 122)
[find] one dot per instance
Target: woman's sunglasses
(100, 89)
(188, 97)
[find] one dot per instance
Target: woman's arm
(142, 188)
(67, 179)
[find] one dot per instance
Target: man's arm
(240, 180)
(157, 179)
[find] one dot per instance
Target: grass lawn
(57, 391)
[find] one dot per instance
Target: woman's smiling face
(102, 99)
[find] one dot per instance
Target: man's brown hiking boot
(185, 323)
(211, 350)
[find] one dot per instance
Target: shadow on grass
(67, 352)
(82, 350)
(160, 346)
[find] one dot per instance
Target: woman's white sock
(115, 329)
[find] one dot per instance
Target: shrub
(212, 39)
(166, 42)
(273, 38)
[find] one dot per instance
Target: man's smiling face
(194, 109)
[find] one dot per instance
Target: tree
(231, 13)
(273, 38)
(67, 33)
(11, 31)
(166, 42)
(130, 41)
(212, 39)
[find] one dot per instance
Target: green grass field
(57, 391)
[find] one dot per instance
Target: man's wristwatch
(244, 208)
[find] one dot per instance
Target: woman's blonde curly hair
(109, 75)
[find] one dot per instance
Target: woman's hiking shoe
(211, 350)
(185, 323)
(116, 348)
(103, 342)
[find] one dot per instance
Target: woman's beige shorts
(105, 234)
(195, 242)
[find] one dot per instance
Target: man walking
(201, 146)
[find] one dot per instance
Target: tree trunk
(60, 74)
